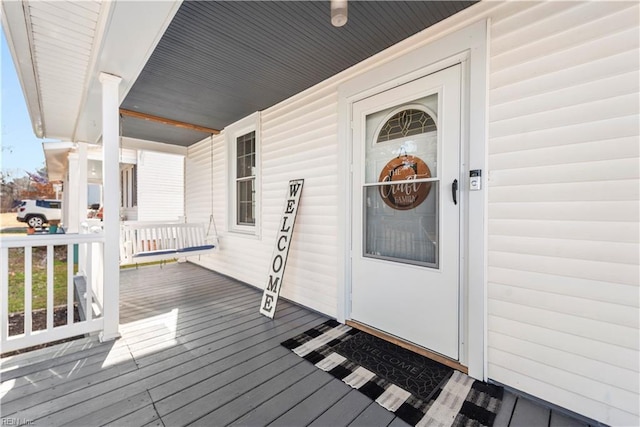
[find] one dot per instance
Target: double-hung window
(243, 141)
(246, 179)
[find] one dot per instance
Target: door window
(401, 189)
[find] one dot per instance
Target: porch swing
(151, 242)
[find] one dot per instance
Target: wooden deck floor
(195, 351)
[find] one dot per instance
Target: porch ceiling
(219, 61)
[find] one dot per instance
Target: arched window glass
(406, 123)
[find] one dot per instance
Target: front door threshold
(409, 346)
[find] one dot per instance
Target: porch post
(76, 207)
(111, 210)
(71, 195)
(83, 185)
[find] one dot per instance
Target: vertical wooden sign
(281, 251)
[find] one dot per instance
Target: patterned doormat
(418, 390)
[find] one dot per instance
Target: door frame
(468, 47)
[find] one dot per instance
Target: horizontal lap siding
(199, 176)
(298, 140)
(563, 205)
(562, 199)
(160, 186)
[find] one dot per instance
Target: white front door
(406, 212)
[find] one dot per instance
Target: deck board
(281, 402)
(210, 395)
(253, 396)
(112, 413)
(527, 413)
(195, 350)
(374, 416)
(506, 410)
(313, 406)
(146, 415)
(397, 422)
(561, 420)
(344, 411)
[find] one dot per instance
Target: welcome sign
(281, 251)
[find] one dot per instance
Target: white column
(83, 182)
(77, 189)
(111, 192)
(70, 204)
(71, 189)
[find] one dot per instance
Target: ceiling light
(338, 12)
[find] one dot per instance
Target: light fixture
(338, 12)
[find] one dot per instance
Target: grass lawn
(39, 278)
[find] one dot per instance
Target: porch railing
(29, 263)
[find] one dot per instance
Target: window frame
(232, 133)
(128, 186)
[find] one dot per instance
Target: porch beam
(111, 187)
(164, 121)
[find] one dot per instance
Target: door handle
(454, 191)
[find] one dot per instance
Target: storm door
(406, 215)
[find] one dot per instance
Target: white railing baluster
(4, 294)
(89, 282)
(50, 260)
(165, 239)
(28, 284)
(70, 254)
(52, 333)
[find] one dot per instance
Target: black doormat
(418, 390)
(410, 371)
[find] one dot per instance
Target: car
(38, 212)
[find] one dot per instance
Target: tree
(8, 192)
(32, 186)
(39, 186)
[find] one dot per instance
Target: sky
(21, 149)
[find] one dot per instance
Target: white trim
(16, 30)
(469, 47)
(232, 132)
(124, 49)
(104, 17)
(111, 187)
(142, 144)
(127, 187)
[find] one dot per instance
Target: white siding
(563, 205)
(160, 186)
(563, 191)
(298, 140)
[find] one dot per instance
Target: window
(128, 186)
(406, 123)
(246, 179)
(47, 204)
(243, 140)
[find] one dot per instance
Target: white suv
(38, 212)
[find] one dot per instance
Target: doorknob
(454, 191)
